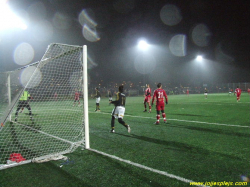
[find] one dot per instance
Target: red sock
(158, 117)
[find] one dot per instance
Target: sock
(158, 117)
(164, 116)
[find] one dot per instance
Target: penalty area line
(145, 167)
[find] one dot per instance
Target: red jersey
(148, 92)
(77, 95)
(238, 91)
(159, 94)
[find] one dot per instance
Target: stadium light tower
(143, 45)
(8, 19)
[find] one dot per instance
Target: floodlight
(8, 19)
(199, 58)
(143, 45)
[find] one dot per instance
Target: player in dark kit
(119, 110)
(97, 100)
(110, 96)
(159, 94)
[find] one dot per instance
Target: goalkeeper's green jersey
(25, 96)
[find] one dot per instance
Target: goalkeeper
(23, 102)
(119, 110)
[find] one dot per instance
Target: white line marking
(201, 122)
(145, 167)
(188, 121)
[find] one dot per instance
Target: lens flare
(170, 15)
(23, 54)
(201, 35)
(144, 63)
(177, 45)
(30, 77)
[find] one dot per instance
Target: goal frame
(85, 110)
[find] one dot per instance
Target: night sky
(176, 30)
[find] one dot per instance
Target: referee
(23, 102)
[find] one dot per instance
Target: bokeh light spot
(86, 17)
(144, 63)
(177, 45)
(170, 15)
(201, 35)
(61, 21)
(37, 11)
(31, 76)
(23, 54)
(90, 34)
(42, 30)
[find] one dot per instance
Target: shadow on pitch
(178, 146)
(215, 131)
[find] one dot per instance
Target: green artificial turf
(203, 140)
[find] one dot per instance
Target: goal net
(41, 107)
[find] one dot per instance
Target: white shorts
(118, 112)
(205, 93)
(97, 100)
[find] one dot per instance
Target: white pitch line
(146, 168)
(201, 122)
(188, 121)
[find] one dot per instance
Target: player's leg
(114, 115)
(29, 108)
(120, 120)
(112, 124)
(149, 104)
(97, 104)
(163, 115)
(157, 115)
(120, 114)
(145, 105)
(19, 106)
(21, 110)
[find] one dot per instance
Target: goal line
(145, 167)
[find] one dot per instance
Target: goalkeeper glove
(166, 102)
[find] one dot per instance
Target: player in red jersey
(187, 92)
(55, 96)
(77, 98)
(238, 93)
(147, 99)
(248, 90)
(159, 94)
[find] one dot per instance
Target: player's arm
(152, 103)
(116, 101)
(166, 97)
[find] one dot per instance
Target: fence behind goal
(40, 114)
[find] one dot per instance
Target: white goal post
(44, 107)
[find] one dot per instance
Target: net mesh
(41, 109)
